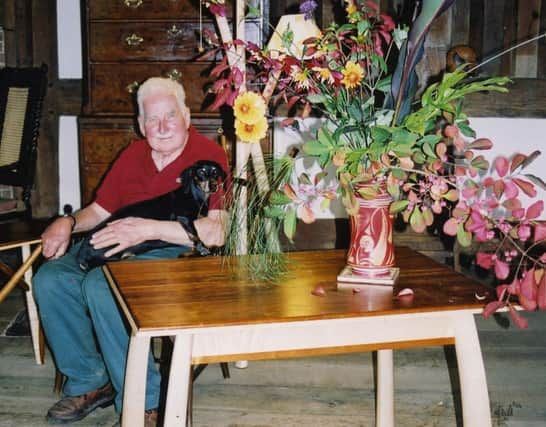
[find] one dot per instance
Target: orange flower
(353, 74)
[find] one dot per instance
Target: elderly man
(83, 325)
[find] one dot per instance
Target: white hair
(160, 85)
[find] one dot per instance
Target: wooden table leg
(179, 381)
(134, 392)
(384, 411)
(474, 393)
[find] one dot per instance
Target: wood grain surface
(204, 292)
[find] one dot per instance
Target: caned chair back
(22, 91)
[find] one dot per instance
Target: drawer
(112, 87)
(139, 41)
(102, 144)
(147, 9)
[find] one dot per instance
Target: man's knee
(95, 286)
(45, 283)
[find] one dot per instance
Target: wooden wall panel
(528, 26)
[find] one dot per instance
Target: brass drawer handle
(133, 40)
(174, 31)
(132, 87)
(133, 3)
(174, 74)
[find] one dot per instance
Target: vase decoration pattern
(371, 248)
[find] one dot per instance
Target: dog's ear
(186, 179)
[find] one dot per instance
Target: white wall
(70, 67)
(509, 135)
(516, 135)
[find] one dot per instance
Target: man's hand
(212, 228)
(124, 233)
(56, 237)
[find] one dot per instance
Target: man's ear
(141, 125)
(186, 114)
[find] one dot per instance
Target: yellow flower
(324, 74)
(300, 77)
(251, 132)
(249, 107)
(351, 8)
(352, 75)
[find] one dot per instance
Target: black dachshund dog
(185, 204)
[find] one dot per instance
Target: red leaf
(484, 260)
(481, 144)
(501, 165)
(541, 293)
(498, 188)
(540, 231)
(318, 291)
(527, 287)
(520, 322)
(502, 269)
(535, 210)
(517, 160)
(527, 187)
(493, 306)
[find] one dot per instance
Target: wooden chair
(22, 91)
(24, 236)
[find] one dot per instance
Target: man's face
(164, 124)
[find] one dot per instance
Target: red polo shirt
(134, 177)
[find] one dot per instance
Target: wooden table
(214, 316)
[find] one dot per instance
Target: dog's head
(202, 179)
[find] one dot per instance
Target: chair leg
(59, 381)
(225, 369)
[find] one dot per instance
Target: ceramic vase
(371, 249)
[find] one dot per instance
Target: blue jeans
(84, 327)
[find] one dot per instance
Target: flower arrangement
(425, 154)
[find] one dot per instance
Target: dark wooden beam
(525, 99)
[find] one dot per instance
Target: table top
(204, 292)
(17, 233)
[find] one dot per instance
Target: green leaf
(416, 220)
(402, 136)
(289, 224)
(428, 149)
(398, 206)
(384, 85)
(315, 148)
(463, 237)
(273, 212)
(278, 197)
(380, 134)
(466, 130)
(317, 98)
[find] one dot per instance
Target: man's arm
(56, 237)
(127, 232)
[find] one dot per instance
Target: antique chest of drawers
(125, 42)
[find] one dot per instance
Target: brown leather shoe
(74, 408)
